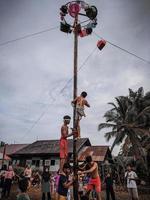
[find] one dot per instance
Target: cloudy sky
(33, 71)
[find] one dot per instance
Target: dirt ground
(35, 194)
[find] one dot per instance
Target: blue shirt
(61, 189)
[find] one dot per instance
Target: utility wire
(54, 28)
(82, 65)
(60, 92)
(28, 36)
(126, 51)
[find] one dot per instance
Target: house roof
(12, 148)
(98, 153)
(50, 147)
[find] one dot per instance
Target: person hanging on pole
(80, 102)
(64, 142)
(94, 182)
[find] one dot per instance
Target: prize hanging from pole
(87, 20)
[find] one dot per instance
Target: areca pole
(75, 78)
(80, 28)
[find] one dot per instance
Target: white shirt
(129, 176)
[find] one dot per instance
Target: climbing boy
(80, 102)
(64, 142)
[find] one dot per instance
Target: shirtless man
(95, 182)
(80, 102)
(64, 142)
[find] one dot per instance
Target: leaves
(128, 118)
(105, 125)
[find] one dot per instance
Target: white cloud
(33, 71)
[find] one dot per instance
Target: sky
(34, 71)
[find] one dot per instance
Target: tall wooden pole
(4, 152)
(75, 71)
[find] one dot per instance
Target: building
(45, 153)
(9, 149)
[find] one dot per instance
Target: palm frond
(105, 125)
(144, 111)
(110, 134)
(119, 138)
(121, 101)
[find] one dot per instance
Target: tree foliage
(128, 121)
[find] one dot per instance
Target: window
(47, 162)
(33, 162)
(14, 162)
(37, 163)
(52, 162)
(28, 162)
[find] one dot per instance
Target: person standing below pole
(94, 182)
(64, 142)
(28, 174)
(109, 187)
(64, 182)
(131, 178)
(9, 175)
(46, 184)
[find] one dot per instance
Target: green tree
(128, 121)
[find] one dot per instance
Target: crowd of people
(89, 180)
(60, 185)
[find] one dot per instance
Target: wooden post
(75, 71)
(4, 152)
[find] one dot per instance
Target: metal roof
(12, 148)
(98, 153)
(50, 147)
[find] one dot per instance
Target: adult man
(131, 177)
(64, 182)
(64, 142)
(94, 182)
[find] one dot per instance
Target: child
(64, 142)
(80, 102)
(64, 182)
(109, 187)
(23, 185)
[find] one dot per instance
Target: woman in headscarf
(46, 184)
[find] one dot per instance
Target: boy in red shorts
(94, 182)
(64, 142)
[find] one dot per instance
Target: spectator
(52, 184)
(28, 174)
(57, 180)
(2, 179)
(109, 187)
(23, 185)
(81, 188)
(46, 184)
(131, 178)
(57, 176)
(64, 182)
(36, 179)
(8, 181)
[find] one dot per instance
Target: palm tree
(129, 120)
